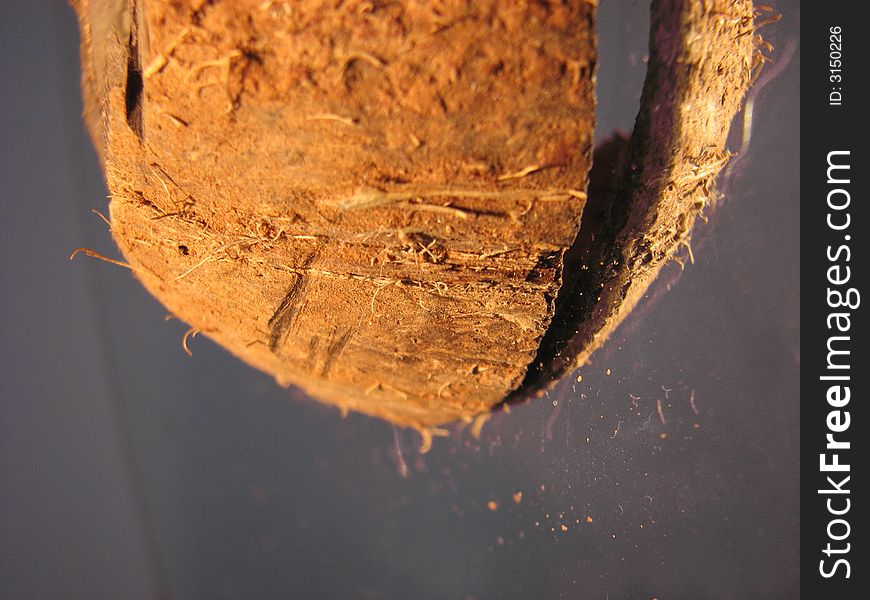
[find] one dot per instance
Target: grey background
(129, 470)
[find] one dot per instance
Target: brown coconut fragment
(370, 202)
(373, 202)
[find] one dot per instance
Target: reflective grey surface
(128, 469)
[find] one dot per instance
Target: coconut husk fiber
(374, 201)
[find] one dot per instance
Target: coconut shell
(374, 201)
(370, 202)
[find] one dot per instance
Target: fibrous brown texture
(368, 200)
(372, 201)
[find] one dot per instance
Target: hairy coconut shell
(372, 201)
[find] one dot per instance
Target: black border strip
(833, 262)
